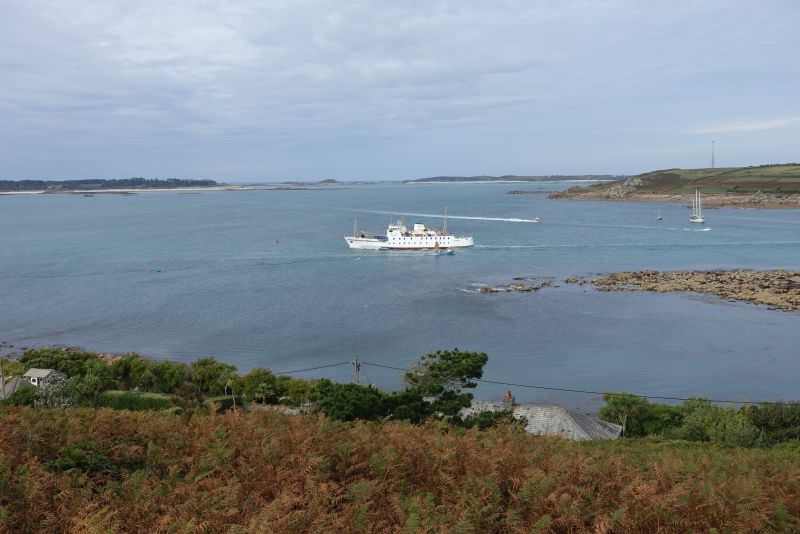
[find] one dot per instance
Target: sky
(263, 90)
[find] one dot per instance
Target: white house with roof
(40, 377)
(545, 420)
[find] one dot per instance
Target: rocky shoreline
(755, 200)
(777, 289)
(520, 285)
(630, 190)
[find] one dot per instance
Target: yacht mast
(444, 230)
(699, 204)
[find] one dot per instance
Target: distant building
(40, 377)
(545, 420)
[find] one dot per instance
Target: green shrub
(26, 396)
(83, 457)
(223, 403)
(348, 402)
(294, 391)
(444, 375)
(259, 385)
(212, 376)
(484, 420)
(133, 371)
(12, 367)
(132, 400)
(705, 421)
(778, 422)
(72, 362)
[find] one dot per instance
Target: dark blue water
(264, 278)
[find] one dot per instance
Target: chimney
(508, 401)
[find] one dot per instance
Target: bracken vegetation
(100, 470)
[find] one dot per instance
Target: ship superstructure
(400, 237)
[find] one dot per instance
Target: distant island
(764, 186)
(66, 186)
(516, 178)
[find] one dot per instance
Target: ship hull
(423, 243)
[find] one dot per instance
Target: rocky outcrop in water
(776, 289)
(518, 286)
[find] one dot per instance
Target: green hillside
(775, 179)
(513, 178)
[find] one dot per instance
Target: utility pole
(357, 370)
(2, 378)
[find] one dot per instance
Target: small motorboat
(439, 251)
(536, 219)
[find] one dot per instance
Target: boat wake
(639, 245)
(635, 226)
(449, 216)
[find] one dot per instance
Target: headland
(765, 186)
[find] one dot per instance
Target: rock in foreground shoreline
(777, 289)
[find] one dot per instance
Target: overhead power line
(589, 392)
(293, 371)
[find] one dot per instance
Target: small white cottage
(40, 377)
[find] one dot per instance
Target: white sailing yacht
(697, 209)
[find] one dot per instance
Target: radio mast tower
(713, 154)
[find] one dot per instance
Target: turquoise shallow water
(264, 278)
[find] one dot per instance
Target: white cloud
(515, 76)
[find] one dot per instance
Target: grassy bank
(90, 470)
(765, 185)
(766, 178)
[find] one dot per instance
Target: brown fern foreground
(98, 470)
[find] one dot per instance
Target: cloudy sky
(308, 89)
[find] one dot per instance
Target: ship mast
(444, 229)
(355, 222)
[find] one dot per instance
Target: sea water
(264, 278)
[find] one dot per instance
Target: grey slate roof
(545, 420)
(33, 372)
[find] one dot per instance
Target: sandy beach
(128, 190)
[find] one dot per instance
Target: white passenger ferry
(399, 237)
